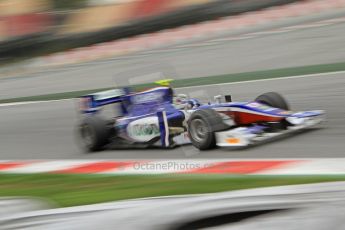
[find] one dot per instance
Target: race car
(158, 118)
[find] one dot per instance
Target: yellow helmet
(164, 82)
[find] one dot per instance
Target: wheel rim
(198, 130)
(87, 135)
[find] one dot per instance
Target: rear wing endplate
(90, 103)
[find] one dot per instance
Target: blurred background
(31, 28)
(36, 28)
(33, 17)
(28, 23)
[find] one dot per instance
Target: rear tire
(94, 133)
(273, 99)
(202, 126)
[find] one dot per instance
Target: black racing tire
(273, 99)
(202, 126)
(94, 133)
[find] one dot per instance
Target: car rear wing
(92, 102)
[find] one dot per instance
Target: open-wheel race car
(157, 118)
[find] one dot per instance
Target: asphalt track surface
(46, 130)
(319, 43)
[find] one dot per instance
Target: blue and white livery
(157, 118)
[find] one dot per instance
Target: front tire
(202, 126)
(273, 99)
(94, 133)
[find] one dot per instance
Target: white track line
(199, 86)
(267, 79)
(31, 102)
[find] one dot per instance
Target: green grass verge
(71, 190)
(228, 78)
